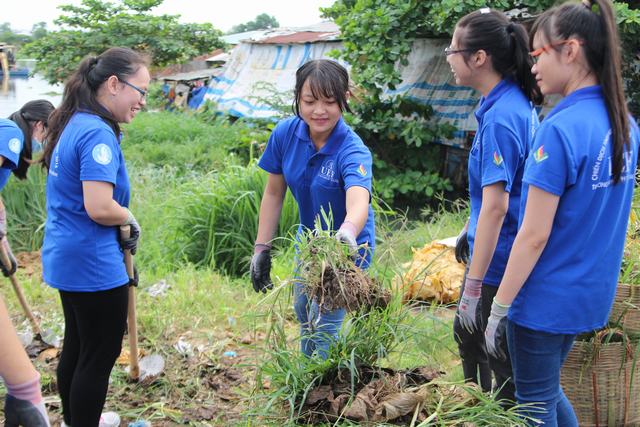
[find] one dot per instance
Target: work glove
(260, 269)
(495, 335)
(470, 308)
(18, 412)
(8, 270)
(133, 281)
(347, 235)
(462, 247)
(132, 242)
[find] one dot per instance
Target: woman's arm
(531, 240)
(99, 203)
(271, 207)
(495, 204)
(357, 205)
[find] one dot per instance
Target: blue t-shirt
(319, 180)
(572, 286)
(11, 140)
(78, 254)
(506, 124)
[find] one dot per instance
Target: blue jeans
(536, 358)
(317, 329)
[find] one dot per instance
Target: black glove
(462, 248)
(14, 264)
(495, 335)
(133, 281)
(260, 271)
(132, 242)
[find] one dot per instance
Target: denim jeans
(318, 330)
(536, 358)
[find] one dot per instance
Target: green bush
(219, 218)
(26, 210)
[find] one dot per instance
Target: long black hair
(81, 89)
(505, 42)
(30, 113)
(326, 79)
(594, 23)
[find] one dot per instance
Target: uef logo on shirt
(14, 145)
(497, 159)
(362, 170)
(539, 155)
(327, 171)
(102, 154)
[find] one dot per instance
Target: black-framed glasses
(450, 51)
(143, 93)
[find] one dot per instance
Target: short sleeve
(11, 140)
(550, 165)
(356, 167)
(502, 154)
(271, 160)
(99, 156)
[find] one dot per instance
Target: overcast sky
(22, 14)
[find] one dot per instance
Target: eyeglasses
(546, 48)
(450, 51)
(143, 93)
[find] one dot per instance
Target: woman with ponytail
(87, 199)
(23, 402)
(490, 54)
(561, 276)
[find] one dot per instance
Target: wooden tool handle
(134, 367)
(4, 258)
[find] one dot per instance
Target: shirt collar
(496, 93)
(334, 142)
(589, 92)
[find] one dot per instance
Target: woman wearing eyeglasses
(490, 54)
(578, 183)
(87, 198)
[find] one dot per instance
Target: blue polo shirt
(506, 124)
(78, 254)
(11, 140)
(572, 286)
(319, 180)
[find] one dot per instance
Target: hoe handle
(134, 368)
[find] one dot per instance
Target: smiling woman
(87, 198)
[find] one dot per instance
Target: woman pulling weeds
(578, 183)
(87, 198)
(23, 403)
(490, 54)
(327, 168)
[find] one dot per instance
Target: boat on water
(8, 62)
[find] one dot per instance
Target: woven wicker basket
(626, 308)
(602, 383)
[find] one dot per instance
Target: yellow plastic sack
(432, 274)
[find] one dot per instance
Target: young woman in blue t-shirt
(327, 167)
(87, 199)
(561, 276)
(490, 54)
(23, 402)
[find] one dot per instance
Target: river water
(16, 91)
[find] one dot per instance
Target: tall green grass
(26, 210)
(219, 219)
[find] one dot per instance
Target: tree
(95, 25)
(7, 35)
(377, 36)
(262, 22)
(39, 30)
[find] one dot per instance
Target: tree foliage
(377, 36)
(96, 25)
(9, 36)
(262, 22)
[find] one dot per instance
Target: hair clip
(485, 10)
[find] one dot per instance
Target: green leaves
(95, 25)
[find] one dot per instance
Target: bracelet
(262, 245)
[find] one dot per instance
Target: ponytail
(30, 113)
(594, 23)
(506, 43)
(81, 89)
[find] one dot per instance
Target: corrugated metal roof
(301, 37)
(193, 75)
(322, 31)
